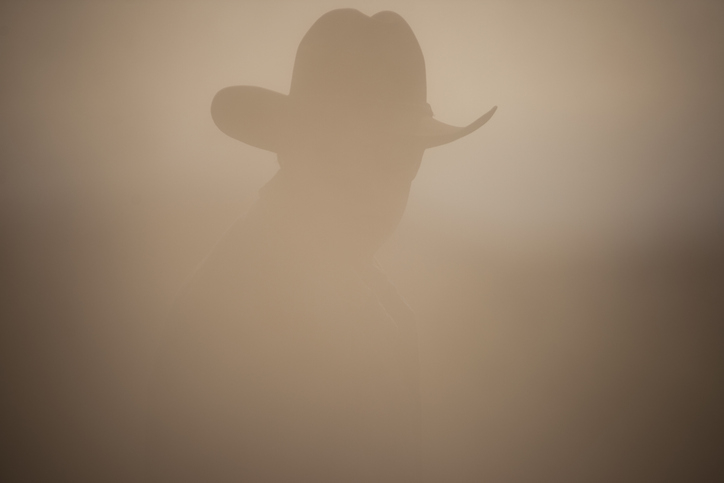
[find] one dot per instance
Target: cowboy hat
(347, 65)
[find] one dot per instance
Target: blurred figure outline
(290, 356)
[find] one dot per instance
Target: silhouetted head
(352, 131)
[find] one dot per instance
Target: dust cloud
(565, 262)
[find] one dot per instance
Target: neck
(315, 218)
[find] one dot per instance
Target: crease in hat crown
(350, 63)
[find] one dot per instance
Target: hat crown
(347, 57)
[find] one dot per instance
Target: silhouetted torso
(288, 359)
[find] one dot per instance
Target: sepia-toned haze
(565, 261)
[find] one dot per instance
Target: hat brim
(432, 132)
(258, 116)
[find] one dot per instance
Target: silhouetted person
(291, 358)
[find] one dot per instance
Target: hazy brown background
(566, 261)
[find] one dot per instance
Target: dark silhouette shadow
(290, 356)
